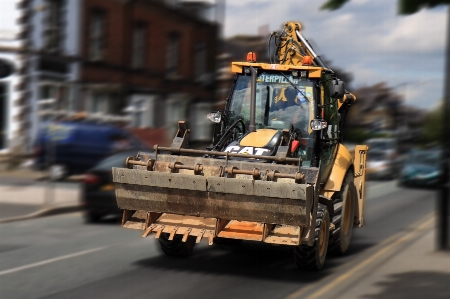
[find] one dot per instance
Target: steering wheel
(230, 134)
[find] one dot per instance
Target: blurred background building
(54, 61)
(142, 64)
(14, 96)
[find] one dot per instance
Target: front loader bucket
(209, 197)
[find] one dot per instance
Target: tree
(407, 7)
(432, 126)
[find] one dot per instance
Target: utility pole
(443, 201)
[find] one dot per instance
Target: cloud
(367, 38)
(422, 32)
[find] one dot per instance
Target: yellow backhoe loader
(276, 172)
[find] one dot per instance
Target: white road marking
(17, 269)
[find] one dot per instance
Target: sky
(8, 15)
(365, 38)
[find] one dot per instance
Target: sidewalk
(404, 266)
(26, 194)
(416, 271)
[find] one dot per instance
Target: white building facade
(13, 93)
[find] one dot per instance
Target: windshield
(279, 104)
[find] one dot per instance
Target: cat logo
(247, 150)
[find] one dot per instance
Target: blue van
(74, 147)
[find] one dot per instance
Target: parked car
(387, 145)
(383, 161)
(381, 165)
(98, 195)
(421, 169)
(72, 147)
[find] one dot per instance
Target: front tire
(312, 258)
(92, 217)
(176, 247)
(344, 214)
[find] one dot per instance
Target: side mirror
(337, 89)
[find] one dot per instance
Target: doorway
(3, 115)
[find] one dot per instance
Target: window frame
(139, 45)
(97, 35)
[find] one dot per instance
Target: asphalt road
(62, 257)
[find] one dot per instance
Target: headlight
(215, 117)
(318, 124)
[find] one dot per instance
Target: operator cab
(283, 102)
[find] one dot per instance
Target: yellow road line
(389, 242)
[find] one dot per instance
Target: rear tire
(312, 258)
(176, 247)
(344, 216)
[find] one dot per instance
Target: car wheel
(92, 217)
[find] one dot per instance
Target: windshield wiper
(267, 108)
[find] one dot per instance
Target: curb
(360, 269)
(43, 213)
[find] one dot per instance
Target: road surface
(62, 257)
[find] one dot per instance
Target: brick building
(143, 64)
(150, 61)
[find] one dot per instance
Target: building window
(138, 114)
(104, 102)
(139, 38)
(97, 35)
(143, 110)
(200, 60)
(172, 58)
(99, 103)
(53, 26)
(53, 96)
(201, 126)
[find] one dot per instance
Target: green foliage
(407, 7)
(333, 4)
(433, 126)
